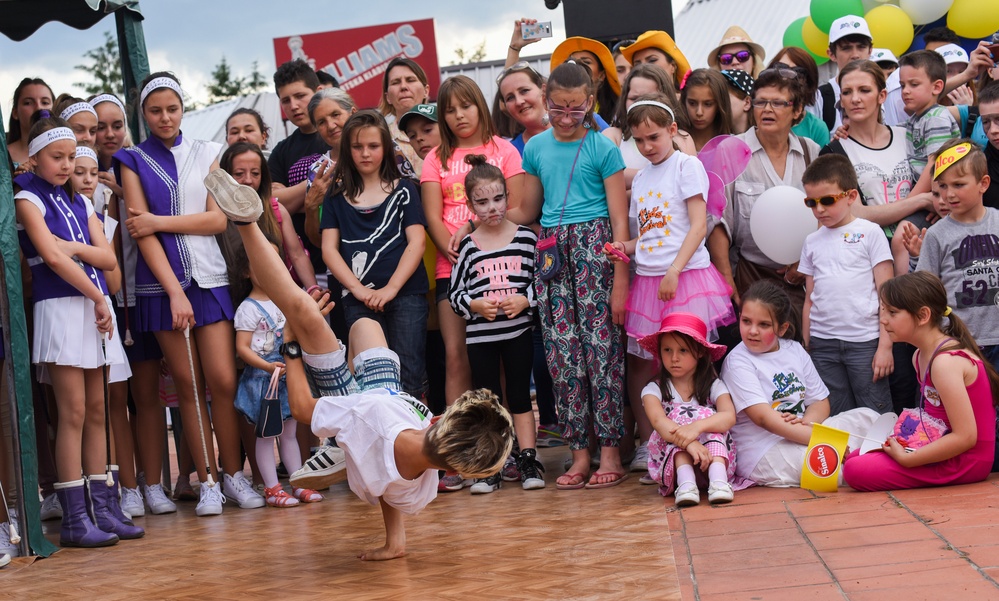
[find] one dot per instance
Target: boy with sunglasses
(850, 39)
(844, 263)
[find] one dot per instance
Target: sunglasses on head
(518, 66)
(826, 201)
(622, 44)
(784, 72)
(740, 57)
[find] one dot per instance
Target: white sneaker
(131, 502)
(6, 547)
(239, 490)
(157, 500)
(687, 495)
(239, 203)
(211, 500)
(51, 509)
(720, 492)
(641, 461)
(325, 468)
(4, 559)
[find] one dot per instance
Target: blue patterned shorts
(374, 368)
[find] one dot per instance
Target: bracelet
(471, 224)
(312, 288)
(674, 267)
(514, 49)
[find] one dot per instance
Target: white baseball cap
(952, 53)
(883, 55)
(849, 25)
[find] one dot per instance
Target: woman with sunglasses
(737, 51)
(799, 61)
(778, 158)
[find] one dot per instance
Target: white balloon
(925, 11)
(780, 222)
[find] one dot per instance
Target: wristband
(311, 288)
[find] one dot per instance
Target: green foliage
(464, 56)
(225, 84)
(104, 68)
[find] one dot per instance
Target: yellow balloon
(974, 18)
(815, 39)
(891, 28)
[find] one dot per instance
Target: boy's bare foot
(382, 553)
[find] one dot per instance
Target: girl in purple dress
(64, 244)
(181, 282)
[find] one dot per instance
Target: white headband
(107, 98)
(653, 103)
(47, 137)
(73, 109)
(156, 84)
(86, 151)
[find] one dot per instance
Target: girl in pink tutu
(691, 412)
(673, 269)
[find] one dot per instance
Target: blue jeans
(846, 368)
(404, 322)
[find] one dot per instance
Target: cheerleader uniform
(65, 333)
(173, 182)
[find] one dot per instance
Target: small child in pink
(691, 412)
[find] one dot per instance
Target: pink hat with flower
(684, 323)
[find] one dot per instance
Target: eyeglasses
(622, 44)
(574, 113)
(776, 104)
(518, 66)
(739, 57)
(782, 71)
(826, 201)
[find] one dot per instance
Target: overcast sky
(189, 37)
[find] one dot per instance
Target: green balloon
(824, 12)
(792, 35)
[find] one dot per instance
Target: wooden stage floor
(513, 544)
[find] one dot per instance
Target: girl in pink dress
(691, 412)
(958, 389)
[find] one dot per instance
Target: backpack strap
(969, 125)
(828, 105)
(805, 151)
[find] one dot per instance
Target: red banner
(357, 57)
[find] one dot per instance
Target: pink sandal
(307, 495)
(277, 497)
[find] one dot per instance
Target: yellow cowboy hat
(603, 54)
(659, 40)
(737, 35)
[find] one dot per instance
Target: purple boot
(99, 505)
(77, 529)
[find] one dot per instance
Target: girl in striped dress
(491, 287)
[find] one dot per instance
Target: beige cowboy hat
(737, 35)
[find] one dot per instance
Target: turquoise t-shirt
(813, 128)
(550, 160)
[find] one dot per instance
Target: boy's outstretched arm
(395, 535)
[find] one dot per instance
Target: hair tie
(107, 98)
(49, 136)
(653, 103)
(683, 82)
(158, 83)
(79, 107)
(947, 312)
(45, 114)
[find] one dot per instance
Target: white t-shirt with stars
(658, 201)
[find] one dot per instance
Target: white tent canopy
(209, 123)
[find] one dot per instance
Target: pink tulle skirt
(703, 292)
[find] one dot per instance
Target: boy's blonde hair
(974, 161)
(473, 437)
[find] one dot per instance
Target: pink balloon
(716, 194)
(727, 156)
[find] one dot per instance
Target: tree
(225, 84)
(478, 54)
(104, 68)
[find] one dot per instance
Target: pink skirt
(703, 292)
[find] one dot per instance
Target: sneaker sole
(533, 484)
(250, 504)
(483, 491)
(321, 480)
(239, 203)
(687, 502)
(160, 511)
(208, 512)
